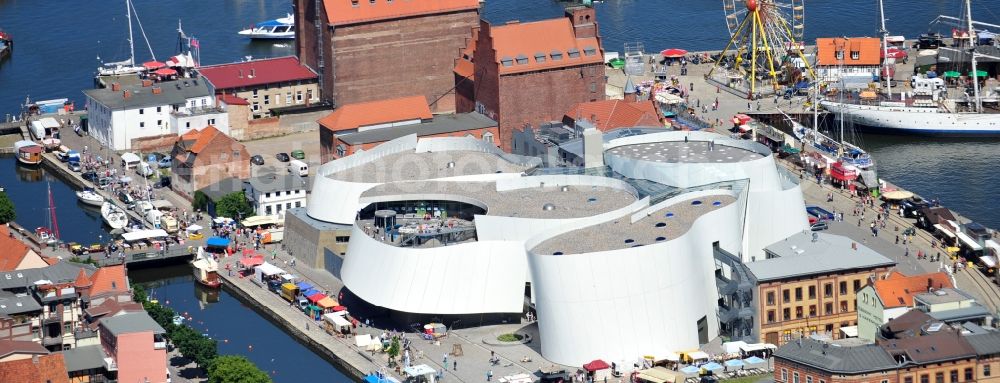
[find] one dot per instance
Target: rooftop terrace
(661, 225)
(685, 152)
(411, 166)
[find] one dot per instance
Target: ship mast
(131, 44)
(972, 45)
(885, 50)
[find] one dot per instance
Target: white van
(298, 167)
(143, 169)
(153, 217)
(143, 207)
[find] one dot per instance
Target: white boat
(206, 269)
(114, 216)
(90, 197)
(842, 150)
(929, 111)
(28, 152)
(128, 66)
(283, 28)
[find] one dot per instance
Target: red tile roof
(525, 41)
(463, 65)
(256, 72)
(49, 368)
(869, 51)
(341, 12)
(898, 290)
(82, 280)
(232, 99)
(13, 250)
(353, 116)
(109, 279)
(613, 114)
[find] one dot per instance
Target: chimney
(157, 90)
(116, 87)
(147, 83)
(126, 94)
(593, 148)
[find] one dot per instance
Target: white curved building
(624, 253)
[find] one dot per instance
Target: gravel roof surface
(577, 201)
(410, 166)
(662, 225)
(684, 152)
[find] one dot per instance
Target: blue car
(819, 212)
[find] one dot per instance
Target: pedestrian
(445, 364)
(691, 87)
(454, 365)
(897, 239)
(489, 375)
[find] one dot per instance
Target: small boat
(178, 320)
(206, 269)
(90, 197)
(28, 152)
(6, 44)
(114, 216)
(45, 235)
(283, 28)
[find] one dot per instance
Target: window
(843, 306)
(839, 55)
(908, 379)
(798, 294)
(267, 99)
(770, 316)
(341, 151)
(187, 124)
(142, 124)
(785, 296)
(298, 97)
(278, 208)
(142, 111)
(812, 292)
(812, 310)
(288, 205)
(770, 298)
(786, 314)
(953, 376)
(924, 378)
(857, 285)
(968, 374)
(342, 239)
(255, 93)
(795, 377)
(784, 375)
(204, 101)
(843, 287)
(159, 109)
(939, 377)
(488, 137)
(211, 121)
(593, 87)
(298, 203)
(267, 210)
(986, 370)
(267, 195)
(309, 94)
(256, 107)
(288, 98)
(855, 55)
(159, 122)
(798, 312)
(809, 379)
(828, 308)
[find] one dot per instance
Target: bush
(234, 205)
(510, 337)
(235, 369)
(7, 212)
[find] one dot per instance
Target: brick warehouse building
(522, 74)
(366, 50)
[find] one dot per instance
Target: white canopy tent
(266, 270)
(141, 235)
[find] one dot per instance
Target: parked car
(90, 176)
(819, 226)
(283, 157)
(104, 182)
(125, 198)
(298, 154)
(164, 182)
(75, 166)
(257, 159)
(164, 163)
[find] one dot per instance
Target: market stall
(843, 175)
(733, 364)
(754, 362)
(598, 370)
(420, 373)
(713, 368)
(266, 272)
(690, 371)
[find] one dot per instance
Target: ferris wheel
(767, 38)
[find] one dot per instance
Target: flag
(194, 43)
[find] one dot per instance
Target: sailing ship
(128, 66)
(50, 233)
(929, 111)
(206, 269)
(282, 28)
(28, 152)
(842, 150)
(114, 216)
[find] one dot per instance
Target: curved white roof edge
(677, 135)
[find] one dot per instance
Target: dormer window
(507, 61)
(855, 55)
(589, 51)
(556, 55)
(839, 55)
(573, 53)
(522, 59)
(539, 57)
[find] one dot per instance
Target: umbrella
(897, 194)
(712, 366)
(151, 65)
(690, 371)
(165, 72)
(951, 73)
(673, 53)
(978, 73)
(733, 364)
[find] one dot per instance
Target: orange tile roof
(868, 48)
(898, 290)
(109, 279)
(49, 368)
(613, 114)
(353, 116)
(13, 250)
(205, 137)
(342, 12)
(82, 280)
(533, 44)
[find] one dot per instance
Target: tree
(233, 205)
(235, 369)
(200, 201)
(393, 351)
(7, 212)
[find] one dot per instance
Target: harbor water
(60, 42)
